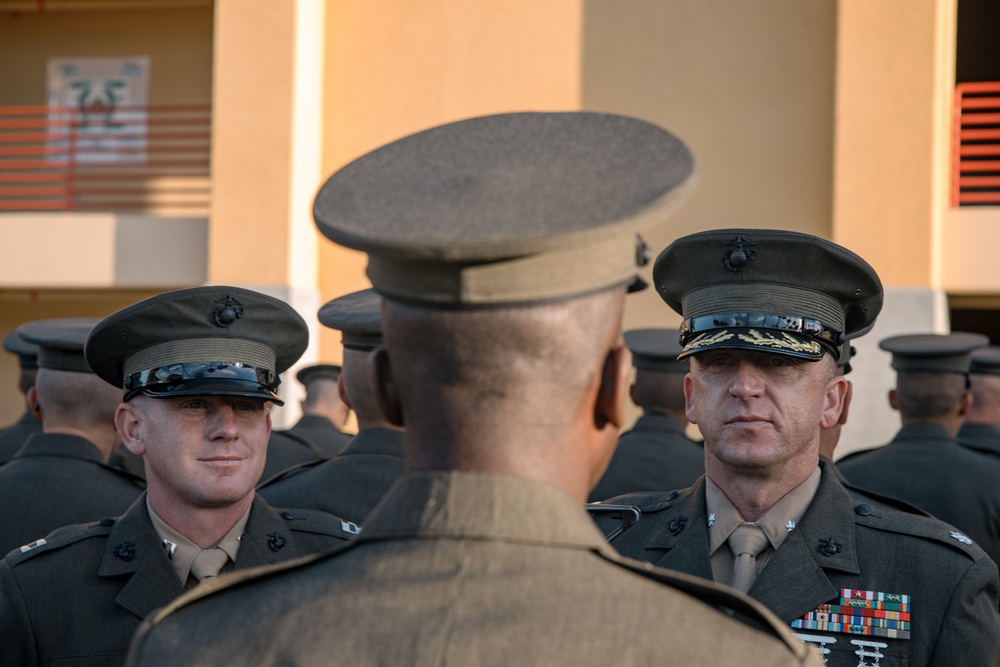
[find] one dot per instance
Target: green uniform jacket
(12, 437)
(654, 455)
(286, 451)
(56, 480)
(843, 546)
(78, 599)
(464, 569)
(923, 465)
(321, 432)
(349, 485)
(980, 437)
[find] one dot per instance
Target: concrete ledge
(101, 250)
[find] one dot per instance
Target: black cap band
(221, 378)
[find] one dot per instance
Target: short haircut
(921, 394)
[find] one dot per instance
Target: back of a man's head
(927, 397)
(358, 381)
(515, 369)
(985, 400)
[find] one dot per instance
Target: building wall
(23, 305)
(178, 40)
(392, 71)
(749, 86)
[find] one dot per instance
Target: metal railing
(152, 160)
(975, 173)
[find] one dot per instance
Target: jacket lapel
(794, 581)
(267, 538)
(133, 549)
(687, 548)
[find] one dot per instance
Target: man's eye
(193, 405)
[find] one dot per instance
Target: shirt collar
(180, 551)
(781, 519)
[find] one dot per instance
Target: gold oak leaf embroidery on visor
(705, 339)
(786, 342)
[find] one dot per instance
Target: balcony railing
(975, 174)
(152, 160)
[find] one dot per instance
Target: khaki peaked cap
(202, 341)
(508, 209)
(766, 290)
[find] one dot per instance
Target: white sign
(99, 113)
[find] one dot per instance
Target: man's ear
(31, 398)
(688, 402)
(965, 404)
(342, 392)
(847, 404)
(833, 401)
(609, 407)
(385, 387)
(893, 403)
(128, 421)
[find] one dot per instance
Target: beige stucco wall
(24, 305)
(178, 41)
(749, 86)
(894, 90)
(393, 69)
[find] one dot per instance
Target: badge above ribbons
(857, 612)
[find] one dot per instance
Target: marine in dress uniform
(502, 247)
(14, 435)
(981, 429)
(61, 476)
(923, 464)
(352, 483)
(199, 367)
(655, 454)
(322, 409)
(765, 312)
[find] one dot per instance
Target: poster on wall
(98, 109)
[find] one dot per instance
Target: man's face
(200, 451)
(759, 411)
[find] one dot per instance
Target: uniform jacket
(980, 437)
(462, 569)
(654, 455)
(843, 550)
(321, 432)
(56, 480)
(923, 465)
(79, 597)
(349, 485)
(12, 437)
(286, 451)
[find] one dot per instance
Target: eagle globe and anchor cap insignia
(737, 258)
(227, 313)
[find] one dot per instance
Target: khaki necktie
(746, 542)
(208, 563)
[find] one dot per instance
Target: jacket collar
(61, 445)
(655, 422)
(376, 441)
(464, 504)
(923, 432)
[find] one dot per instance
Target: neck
(105, 438)
(204, 526)
(755, 493)
(499, 448)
